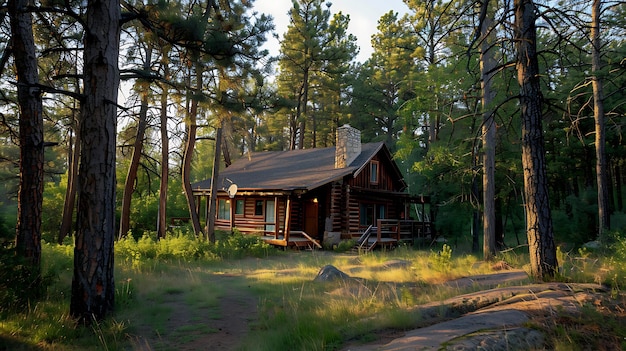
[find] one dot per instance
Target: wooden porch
(388, 233)
(295, 238)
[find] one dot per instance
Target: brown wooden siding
(249, 221)
(336, 194)
(352, 213)
(385, 178)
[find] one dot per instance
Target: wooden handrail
(308, 237)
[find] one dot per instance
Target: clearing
(507, 312)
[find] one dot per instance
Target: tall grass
(294, 312)
(140, 265)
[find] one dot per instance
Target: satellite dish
(232, 190)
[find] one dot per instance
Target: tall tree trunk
(188, 154)
(598, 112)
(30, 196)
(93, 290)
(539, 229)
(213, 196)
(165, 149)
(131, 176)
(72, 176)
(487, 68)
(475, 218)
(301, 110)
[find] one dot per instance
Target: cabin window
(366, 215)
(239, 207)
(270, 216)
(374, 172)
(223, 209)
(258, 207)
(369, 214)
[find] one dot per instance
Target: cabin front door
(310, 218)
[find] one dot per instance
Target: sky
(364, 15)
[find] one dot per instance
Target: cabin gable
(378, 174)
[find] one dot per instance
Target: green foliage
(294, 312)
(575, 225)
(7, 222)
(20, 283)
(617, 261)
(345, 245)
(316, 54)
(579, 266)
(52, 208)
(442, 261)
(445, 174)
(184, 246)
(606, 265)
(240, 245)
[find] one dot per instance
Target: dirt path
(219, 328)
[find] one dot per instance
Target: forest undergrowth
(292, 310)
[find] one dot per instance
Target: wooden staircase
(366, 243)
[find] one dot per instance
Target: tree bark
(131, 176)
(301, 110)
(70, 191)
(213, 196)
(539, 228)
(487, 67)
(598, 112)
(188, 154)
(163, 187)
(93, 290)
(30, 195)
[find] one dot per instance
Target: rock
(391, 264)
(332, 238)
(330, 273)
(441, 334)
(501, 339)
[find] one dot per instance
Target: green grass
(154, 278)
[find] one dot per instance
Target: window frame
(374, 172)
(256, 207)
(223, 209)
(240, 211)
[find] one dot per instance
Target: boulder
(330, 273)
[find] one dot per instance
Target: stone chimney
(348, 145)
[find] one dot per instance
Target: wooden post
(287, 217)
(233, 202)
(276, 217)
(206, 213)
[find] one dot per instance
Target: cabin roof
(292, 170)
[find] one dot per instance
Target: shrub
(185, 246)
(345, 245)
(238, 245)
(20, 283)
(442, 260)
(617, 260)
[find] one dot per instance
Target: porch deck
(389, 232)
(298, 239)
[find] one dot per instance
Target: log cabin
(307, 197)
